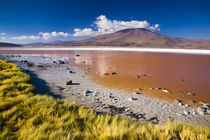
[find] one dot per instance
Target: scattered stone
(181, 104)
(86, 92)
(137, 76)
(54, 62)
(113, 73)
(186, 105)
(86, 69)
(139, 89)
(202, 110)
(178, 101)
(206, 106)
(24, 61)
(69, 82)
(165, 90)
(189, 93)
(193, 112)
(192, 101)
(61, 62)
(186, 112)
(132, 98)
(151, 88)
(136, 92)
(106, 73)
(30, 64)
(158, 88)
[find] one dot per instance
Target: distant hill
(3, 44)
(139, 37)
(53, 43)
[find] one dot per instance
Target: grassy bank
(26, 115)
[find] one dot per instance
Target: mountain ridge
(139, 37)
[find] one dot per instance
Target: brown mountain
(139, 37)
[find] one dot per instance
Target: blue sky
(24, 21)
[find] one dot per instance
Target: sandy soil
(50, 78)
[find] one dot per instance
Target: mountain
(56, 42)
(139, 37)
(3, 44)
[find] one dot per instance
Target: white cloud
(32, 37)
(3, 38)
(47, 36)
(3, 33)
(41, 35)
(105, 25)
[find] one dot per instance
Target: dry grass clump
(26, 115)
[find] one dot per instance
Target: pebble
(165, 90)
(186, 112)
(132, 98)
(178, 101)
(136, 92)
(137, 76)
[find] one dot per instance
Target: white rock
(166, 91)
(186, 112)
(132, 98)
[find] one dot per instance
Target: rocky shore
(59, 79)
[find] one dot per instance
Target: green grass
(26, 115)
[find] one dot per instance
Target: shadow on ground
(41, 85)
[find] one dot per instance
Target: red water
(175, 72)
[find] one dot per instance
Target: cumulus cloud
(47, 36)
(3, 33)
(104, 25)
(3, 38)
(41, 35)
(32, 37)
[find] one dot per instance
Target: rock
(106, 73)
(137, 76)
(178, 101)
(193, 112)
(30, 64)
(54, 62)
(132, 98)
(71, 71)
(86, 69)
(186, 105)
(24, 61)
(206, 106)
(192, 101)
(202, 111)
(69, 82)
(77, 55)
(86, 92)
(139, 89)
(151, 88)
(189, 93)
(113, 73)
(165, 90)
(186, 112)
(136, 92)
(61, 62)
(158, 88)
(181, 104)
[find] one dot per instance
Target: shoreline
(153, 50)
(101, 99)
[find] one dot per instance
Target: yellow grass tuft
(26, 115)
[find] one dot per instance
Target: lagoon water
(178, 73)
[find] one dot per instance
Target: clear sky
(23, 21)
